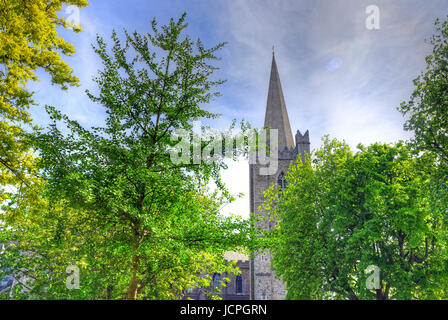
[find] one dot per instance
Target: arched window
(216, 279)
(239, 284)
(281, 181)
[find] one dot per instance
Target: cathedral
(264, 284)
(257, 280)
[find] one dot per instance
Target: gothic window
(216, 279)
(239, 284)
(281, 181)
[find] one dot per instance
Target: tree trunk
(137, 238)
(133, 284)
(109, 290)
(380, 295)
(132, 289)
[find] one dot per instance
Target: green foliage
(427, 109)
(342, 212)
(28, 42)
(135, 224)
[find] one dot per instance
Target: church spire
(276, 114)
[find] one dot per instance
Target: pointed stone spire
(276, 114)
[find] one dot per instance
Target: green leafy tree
(28, 42)
(427, 109)
(137, 225)
(427, 112)
(343, 212)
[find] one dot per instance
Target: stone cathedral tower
(264, 284)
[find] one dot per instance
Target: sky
(339, 77)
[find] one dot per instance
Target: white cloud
(237, 179)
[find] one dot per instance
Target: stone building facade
(238, 288)
(258, 280)
(264, 284)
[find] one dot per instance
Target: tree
(343, 212)
(28, 42)
(427, 113)
(427, 109)
(137, 225)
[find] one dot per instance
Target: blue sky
(338, 77)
